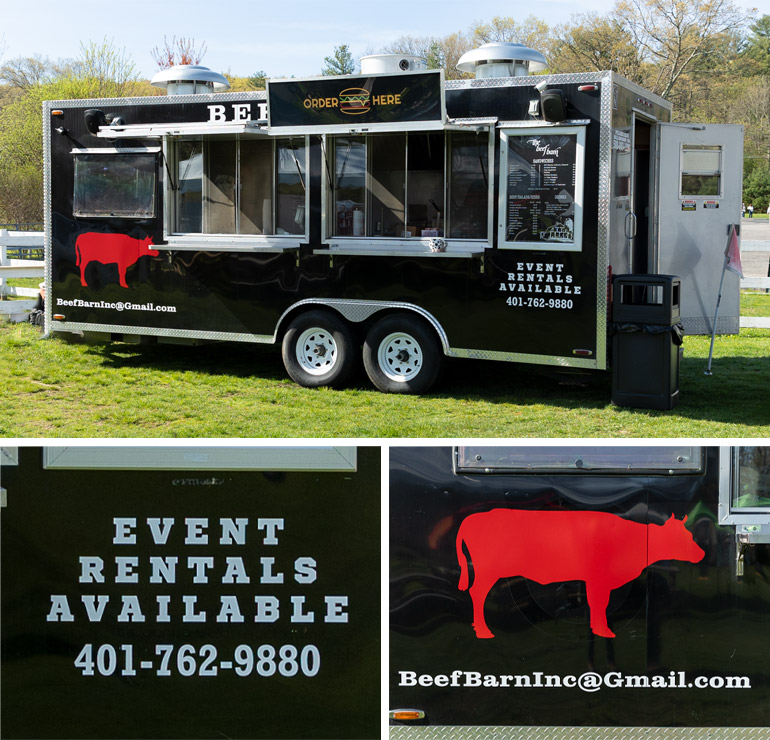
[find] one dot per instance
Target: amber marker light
(57, 112)
(406, 715)
(58, 317)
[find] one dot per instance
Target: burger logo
(354, 101)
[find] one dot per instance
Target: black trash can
(646, 341)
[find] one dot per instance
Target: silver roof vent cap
(190, 79)
(391, 63)
(502, 59)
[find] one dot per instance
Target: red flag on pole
(733, 254)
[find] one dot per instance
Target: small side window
(701, 170)
(751, 490)
(115, 185)
(744, 493)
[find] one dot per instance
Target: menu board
(543, 171)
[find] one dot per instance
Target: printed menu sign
(543, 188)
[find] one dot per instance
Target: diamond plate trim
(578, 733)
(603, 216)
(150, 331)
(566, 79)
(702, 325)
(157, 100)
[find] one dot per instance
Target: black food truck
(392, 216)
(190, 592)
(579, 592)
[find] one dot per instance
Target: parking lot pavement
(755, 263)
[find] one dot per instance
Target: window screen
(115, 185)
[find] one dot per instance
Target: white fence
(26, 240)
(19, 242)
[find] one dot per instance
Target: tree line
(708, 57)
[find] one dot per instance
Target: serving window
(409, 184)
(251, 186)
(115, 183)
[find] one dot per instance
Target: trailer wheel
(402, 355)
(318, 350)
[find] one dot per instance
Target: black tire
(318, 350)
(402, 354)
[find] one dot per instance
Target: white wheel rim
(400, 357)
(316, 351)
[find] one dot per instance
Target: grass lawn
(52, 388)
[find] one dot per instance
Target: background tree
(340, 63)
(257, 81)
(532, 32)
(101, 70)
(178, 51)
(757, 46)
(673, 35)
(591, 42)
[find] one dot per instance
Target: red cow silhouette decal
(601, 549)
(110, 249)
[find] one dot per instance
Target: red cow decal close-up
(603, 550)
(109, 249)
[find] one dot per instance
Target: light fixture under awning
(451, 124)
(157, 130)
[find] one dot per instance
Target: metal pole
(716, 312)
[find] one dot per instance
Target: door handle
(629, 225)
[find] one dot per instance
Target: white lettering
(190, 615)
(267, 609)
(233, 531)
(160, 536)
(91, 570)
(131, 611)
(125, 569)
(123, 534)
(270, 526)
(195, 534)
(230, 611)
(334, 609)
(236, 572)
(216, 113)
(241, 111)
(94, 611)
(60, 610)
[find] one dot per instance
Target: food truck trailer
(391, 216)
(579, 592)
(190, 592)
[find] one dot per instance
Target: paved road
(755, 264)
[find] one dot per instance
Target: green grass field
(52, 388)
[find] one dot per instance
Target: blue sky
(281, 37)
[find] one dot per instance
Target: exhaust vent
(502, 59)
(376, 64)
(190, 79)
